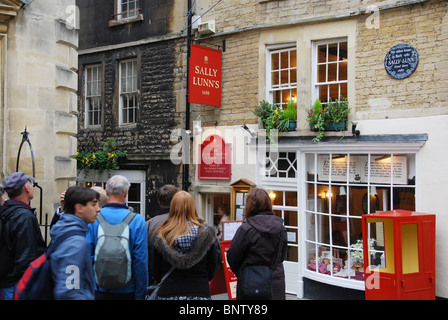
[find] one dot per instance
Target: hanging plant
(104, 159)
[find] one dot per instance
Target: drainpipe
(186, 166)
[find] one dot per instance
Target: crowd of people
(107, 252)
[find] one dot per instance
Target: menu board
(229, 228)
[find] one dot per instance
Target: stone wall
(424, 93)
(40, 84)
(147, 142)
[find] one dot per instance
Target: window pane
(343, 71)
(293, 59)
(275, 61)
(322, 73)
(291, 218)
(333, 52)
(284, 60)
(310, 226)
(275, 79)
(322, 53)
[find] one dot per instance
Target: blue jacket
(70, 262)
(115, 213)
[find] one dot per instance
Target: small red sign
(231, 279)
(215, 159)
(204, 83)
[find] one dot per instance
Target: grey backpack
(113, 263)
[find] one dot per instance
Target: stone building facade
(400, 121)
(147, 44)
(39, 61)
(395, 117)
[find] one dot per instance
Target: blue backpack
(37, 281)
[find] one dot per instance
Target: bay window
(339, 189)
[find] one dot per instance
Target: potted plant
(289, 121)
(271, 116)
(338, 111)
(332, 117)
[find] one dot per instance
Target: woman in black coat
(260, 240)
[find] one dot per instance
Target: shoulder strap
(129, 217)
(166, 275)
(126, 220)
(100, 218)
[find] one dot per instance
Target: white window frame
(270, 88)
(127, 91)
(93, 93)
(314, 68)
(130, 12)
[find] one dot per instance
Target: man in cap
(21, 239)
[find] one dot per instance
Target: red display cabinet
(399, 255)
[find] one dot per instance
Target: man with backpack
(21, 240)
(119, 247)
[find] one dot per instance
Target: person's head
(117, 188)
(222, 209)
(183, 207)
(82, 202)
(165, 194)
(182, 211)
(104, 199)
(257, 201)
(19, 186)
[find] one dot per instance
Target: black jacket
(252, 247)
(21, 242)
(194, 269)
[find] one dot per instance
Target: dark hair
(257, 201)
(75, 195)
(165, 194)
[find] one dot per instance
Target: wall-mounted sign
(205, 76)
(215, 159)
(401, 61)
(380, 169)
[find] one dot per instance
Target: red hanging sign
(205, 76)
(215, 159)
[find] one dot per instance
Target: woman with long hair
(186, 242)
(261, 240)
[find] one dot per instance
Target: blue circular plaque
(401, 61)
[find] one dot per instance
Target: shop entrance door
(216, 203)
(285, 206)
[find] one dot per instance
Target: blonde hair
(104, 199)
(182, 211)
